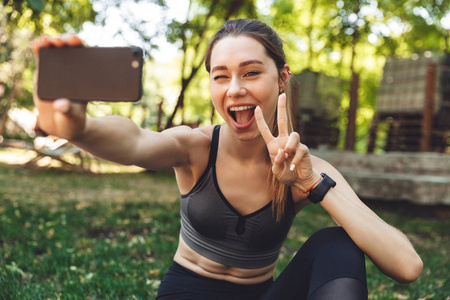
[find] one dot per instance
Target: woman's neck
(248, 151)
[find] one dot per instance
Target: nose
(236, 89)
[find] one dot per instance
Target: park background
(73, 227)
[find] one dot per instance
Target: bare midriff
(203, 266)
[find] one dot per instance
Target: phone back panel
(90, 73)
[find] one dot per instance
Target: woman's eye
(252, 73)
(219, 77)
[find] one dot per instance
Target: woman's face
(243, 76)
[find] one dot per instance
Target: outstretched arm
(112, 138)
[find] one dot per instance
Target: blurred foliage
(49, 16)
(203, 19)
(134, 24)
(20, 22)
(320, 35)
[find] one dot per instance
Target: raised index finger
(262, 126)
(282, 116)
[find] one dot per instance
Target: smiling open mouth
(242, 114)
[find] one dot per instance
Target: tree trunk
(309, 30)
(4, 115)
(213, 112)
(180, 103)
(160, 115)
(350, 137)
(428, 110)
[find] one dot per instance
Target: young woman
(243, 182)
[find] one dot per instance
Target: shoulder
(195, 142)
(187, 136)
(206, 131)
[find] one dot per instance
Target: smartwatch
(318, 193)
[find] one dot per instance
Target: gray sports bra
(213, 228)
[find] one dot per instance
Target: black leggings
(328, 266)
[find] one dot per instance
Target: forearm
(111, 138)
(386, 246)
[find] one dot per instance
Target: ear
(285, 77)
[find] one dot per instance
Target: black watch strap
(316, 194)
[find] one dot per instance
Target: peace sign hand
(291, 161)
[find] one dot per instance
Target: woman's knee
(337, 255)
(328, 254)
(330, 239)
(334, 243)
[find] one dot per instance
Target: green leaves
(36, 4)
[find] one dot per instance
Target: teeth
(241, 108)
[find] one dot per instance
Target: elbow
(411, 272)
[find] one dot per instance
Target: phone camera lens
(137, 52)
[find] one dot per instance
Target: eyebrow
(242, 64)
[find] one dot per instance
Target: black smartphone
(90, 73)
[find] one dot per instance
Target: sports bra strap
(214, 146)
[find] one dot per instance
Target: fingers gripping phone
(90, 73)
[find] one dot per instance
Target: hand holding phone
(63, 118)
(66, 116)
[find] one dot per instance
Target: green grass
(85, 236)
